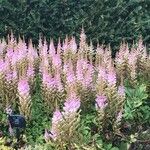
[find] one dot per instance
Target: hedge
(106, 21)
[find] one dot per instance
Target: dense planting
(104, 20)
(75, 97)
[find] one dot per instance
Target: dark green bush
(105, 20)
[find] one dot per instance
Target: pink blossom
(79, 71)
(44, 48)
(71, 105)
(71, 94)
(22, 52)
(111, 78)
(14, 58)
(58, 82)
(101, 102)
(121, 90)
(9, 53)
(79, 74)
(2, 66)
(88, 78)
(14, 74)
(119, 116)
(102, 73)
(84, 73)
(8, 73)
(65, 68)
(82, 38)
(65, 46)
(73, 45)
(21, 56)
(8, 76)
(84, 64)
(56, 61)
(23, 88)
(2, 46)
(49, 81)
(70, 77)
(50, 134)
(53, 134)
(52, 50)
(30, 72)
(44, 64)
(57, 117)
(32, 53)
(132, 59)
(100, 50)
(59, 47)
(46, 135)
(119, 58)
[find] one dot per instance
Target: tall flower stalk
(65, 123)
(24, 98)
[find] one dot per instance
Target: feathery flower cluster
(101, 102)
(62, 122)
(2, 67)
(84, 73)
(23, 88)
(16, 62)
(54, 132)
(111, 78)
(24, 97)
(121, 90)
(71, 105)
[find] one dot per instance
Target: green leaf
(114, 148)
(124, 146)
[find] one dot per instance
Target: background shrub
(104, 20)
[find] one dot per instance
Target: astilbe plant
(7, 78)
(32, 65)
(100, 105)
(65, 124)
(51, 70)
(20, 58)
(48, 90)
(69, 49)
(16, 61)
(10, 85)
(109, 100)
(112, 96)
(81, 67)
(143, 60)
(83, 46)
(119, 110)
(3, 46)
(132, 63)
(121, 62)
(2, 82)
(24, 97)
(101, 99)
(84, 77)
(99, 55)
(31, 74)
